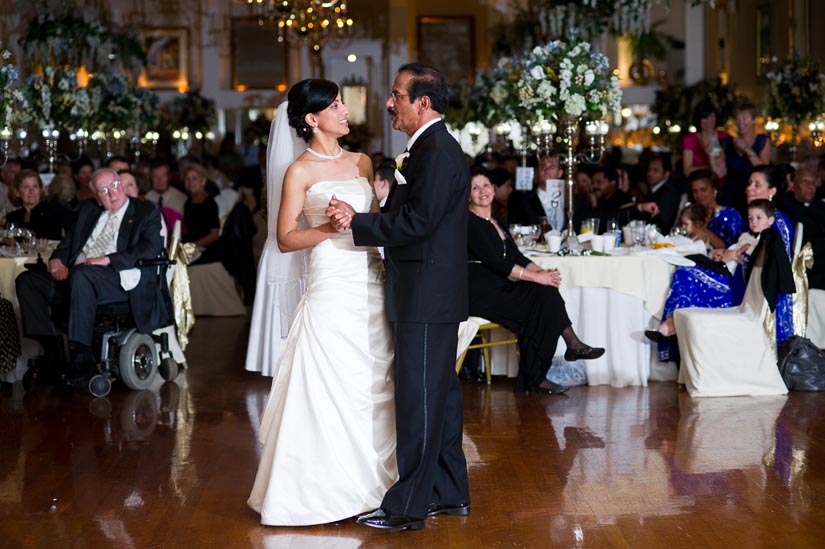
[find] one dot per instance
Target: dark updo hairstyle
(703, 174)
(773, 175)
(480, 170)
(309, 96)
(703, 109)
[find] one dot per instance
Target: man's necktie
(101, 245)
(160, 202)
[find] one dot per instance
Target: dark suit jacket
(424, 233)
(48, 219)
(138, 238)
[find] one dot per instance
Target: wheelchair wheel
(168, 368)
(138, 362)
(100, 385)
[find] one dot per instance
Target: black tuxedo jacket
(138, 238)
(424, 232)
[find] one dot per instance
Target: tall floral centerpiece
(8, 77)
(568, 81)
(796, 93)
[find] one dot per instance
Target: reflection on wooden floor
(598, 467)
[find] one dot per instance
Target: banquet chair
(483, 333)
(726, 352)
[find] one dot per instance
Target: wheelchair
(121, 352)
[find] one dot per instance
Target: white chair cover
(213, 291)
(816, 316)
(725, 352)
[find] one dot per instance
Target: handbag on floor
(802, 364)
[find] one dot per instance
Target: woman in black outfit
(200, 215)
(46, 219)
(506, 288)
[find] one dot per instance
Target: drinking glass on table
(544, 227)
(639, 233)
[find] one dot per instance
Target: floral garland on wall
(796, 91)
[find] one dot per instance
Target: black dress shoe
(585, 353)
(387, 521)
(550, 389)
(657, 337)
(456, 510)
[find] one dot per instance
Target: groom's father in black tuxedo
(110, 235)
(423, 229)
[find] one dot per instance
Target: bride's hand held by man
(340, 214)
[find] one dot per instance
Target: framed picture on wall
(258, 60)
(448, 44)
(167, 58)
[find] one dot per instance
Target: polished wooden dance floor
(598, 467)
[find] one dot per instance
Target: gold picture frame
(167, 58)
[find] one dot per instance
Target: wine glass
(532, 235)
(639, 234)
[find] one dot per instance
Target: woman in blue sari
(700, 287)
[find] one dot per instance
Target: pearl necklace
(327, 156)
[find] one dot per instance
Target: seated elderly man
(108, 237)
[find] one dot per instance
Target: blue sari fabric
(727, 225)
(698, 287)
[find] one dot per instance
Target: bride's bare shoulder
(299, 172)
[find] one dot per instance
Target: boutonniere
(401, 160)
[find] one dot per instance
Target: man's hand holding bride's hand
(340, 214)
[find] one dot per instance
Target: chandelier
(311, 22)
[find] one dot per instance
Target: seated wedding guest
(82, 174)
(724, 223)
(62, 188)
(743, 153)
(7, 175)
(507, 288)
(162, 193)
(525, 207)
(502, 181)
(129, 183)
(715, 288)
(802, 206)
(45, 218)
(382, 180)
(110, 235)
(609, 198)
(229, 161)
(662, 206)
(117, 163)
(64, 167)
(694, 222)
(200, 216)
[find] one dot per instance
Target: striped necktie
(101, 245)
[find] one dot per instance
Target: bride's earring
(315, 129)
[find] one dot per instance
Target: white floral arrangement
(53, 100)
(797, 90)
(567, 79)
(8, 77)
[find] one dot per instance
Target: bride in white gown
(328, 430)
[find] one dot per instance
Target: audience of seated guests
(507, 288)
(200, 216)
(45, 218)
(162, 193)
(743, 153)
(502, 181)
(7, 174)
(82, 170)
(62, 188)
(704, 148)
(662, 205)
(64, 167)
(724, 223)
(699, 286)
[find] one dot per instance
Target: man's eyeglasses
(395, 96)
(104, 191)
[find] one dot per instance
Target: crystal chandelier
(311, 22)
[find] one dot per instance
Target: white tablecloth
(610, 301)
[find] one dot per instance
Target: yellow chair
(485, 345)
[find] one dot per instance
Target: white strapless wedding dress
(328, 430)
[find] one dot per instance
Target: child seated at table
(761, 217)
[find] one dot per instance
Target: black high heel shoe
(657, 337)
(585, 353)
(551, 389)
